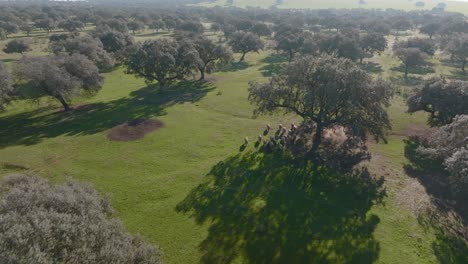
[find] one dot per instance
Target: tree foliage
(326, 92)
(371, 43)
(113, 41)
(410, 57)
(457, 47)
(6, 86)
(245, 42)
(17, 46)
(85, 45)
(61, 77)
(68, 223)
(442, 99)
(71, 25)
(162, 60)
(430, 28)
(290, 40)
(45, 24)
(191, 26)
(209, 54)
(261, 29)
(447, 148)
(342, 45)
(135, 25)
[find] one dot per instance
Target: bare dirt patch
(133, 130)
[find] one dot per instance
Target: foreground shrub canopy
(68, 223)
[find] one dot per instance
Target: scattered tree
(261, 29)
(371, 43)
(457, 47)
(113, 41)
(45, 24)
(60, 77)
(17, 46)
(161, 60)
(410, 57)
(27, 29)
(191, 26)
(71, 25)
(157, 25)
(430, 29)
(3, 34)
(245, 42)
(423, 44)
(402, 24)
(85, 45)
(135, 25)
(210, 54)
(442, 99)
(343, 45)
(115, 24)
(9, 27)
(326, 92)
(289, 40)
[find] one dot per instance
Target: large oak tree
(245, 42)
(327, 92)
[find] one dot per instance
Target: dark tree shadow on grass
(371, 67)
(270, 209)
(450, 249)
(274, 64)
(421, 70)
(458, 75)
(270, 69)
(275, 58)
(32, 127)
(234, 66)
(7, 60)
(412, 80)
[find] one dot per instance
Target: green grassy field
(204, 125)
(454, 6)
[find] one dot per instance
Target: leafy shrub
(67, 223)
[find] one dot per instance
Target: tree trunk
(314, 151)
(291, 56)
(463, 65)
(162, 84)
(406, 71)
(66, 106)
(202, 74)
(243, 57)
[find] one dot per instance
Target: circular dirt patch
(133, 130)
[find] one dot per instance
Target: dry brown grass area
(133, 130)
